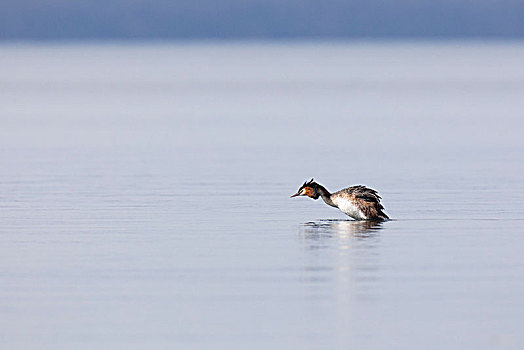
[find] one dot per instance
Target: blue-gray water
(144, 196)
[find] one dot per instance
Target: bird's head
(309, 188)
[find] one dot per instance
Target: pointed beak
(296, 194)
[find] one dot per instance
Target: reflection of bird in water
(358, 202)
(341, 227)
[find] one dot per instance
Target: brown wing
(368, 201)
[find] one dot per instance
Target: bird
(358, 202)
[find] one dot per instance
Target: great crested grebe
(358, 202)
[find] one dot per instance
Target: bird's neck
(326, 196)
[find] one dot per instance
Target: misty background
(259, 19)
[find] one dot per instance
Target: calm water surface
(144, 194)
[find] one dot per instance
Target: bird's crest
(307, 183)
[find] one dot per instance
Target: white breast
(350, 209)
